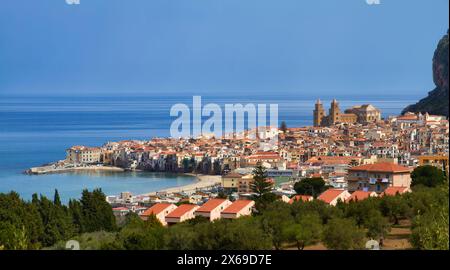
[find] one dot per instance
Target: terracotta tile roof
(156, 209)
(304, 198)
(210, 205)
(359, 195)
(330, 194)
(408, 117)
(392, 191)
(237, 206)
(381, 167)
(181, 210)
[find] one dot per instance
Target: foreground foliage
(45, 223)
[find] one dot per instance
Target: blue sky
(219, 46)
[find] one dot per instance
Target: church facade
(362, 114)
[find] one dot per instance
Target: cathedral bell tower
(319, 113)
(334, 112)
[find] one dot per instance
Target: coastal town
(356, 152)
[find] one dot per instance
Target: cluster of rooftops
(215, 208)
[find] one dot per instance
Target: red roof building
(360, 195)
(212, 208)
(377, 177)
(238, 208)
(160, 210)
(392, 191)
(332, 196)
(181, 213)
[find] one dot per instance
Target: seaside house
(181, 213)
(238, 209)
(212, 208)
(332, 196)
(160, 210)
(83, 155)
(378, 177)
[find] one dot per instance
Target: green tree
(325, 211)
(142, 235)
(180, 237)
(377, 226)
(310, 186)
(20, 216)
(56, 220)
(395, 208)
(264, 201)
(360, 211)
(260, 185)
(343, 234)
(427, 175)
(56, 198)
(274, 220)
(245, 233)
(76, 214)
(13, 238)
(307, 231)
(430, 229)
(96, 211)
(241, 234)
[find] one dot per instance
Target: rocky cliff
(437, 100)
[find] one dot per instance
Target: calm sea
(37, 130)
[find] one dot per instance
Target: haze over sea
(38, 130)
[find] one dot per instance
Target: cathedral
(361, 114)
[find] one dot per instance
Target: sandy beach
(203, 181)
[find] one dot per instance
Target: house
(303, 198)
(392, 191)
(83, 155)
(267, 159)
(245, 184)
(182, 213)
(238, 209)
(212, 208)
(138, 209)
(332, 196)
(160, 210)
(360, 195)
(120, 211)
(378, 176)
(230, 181)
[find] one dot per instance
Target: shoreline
(50, 169)
(203, 181)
